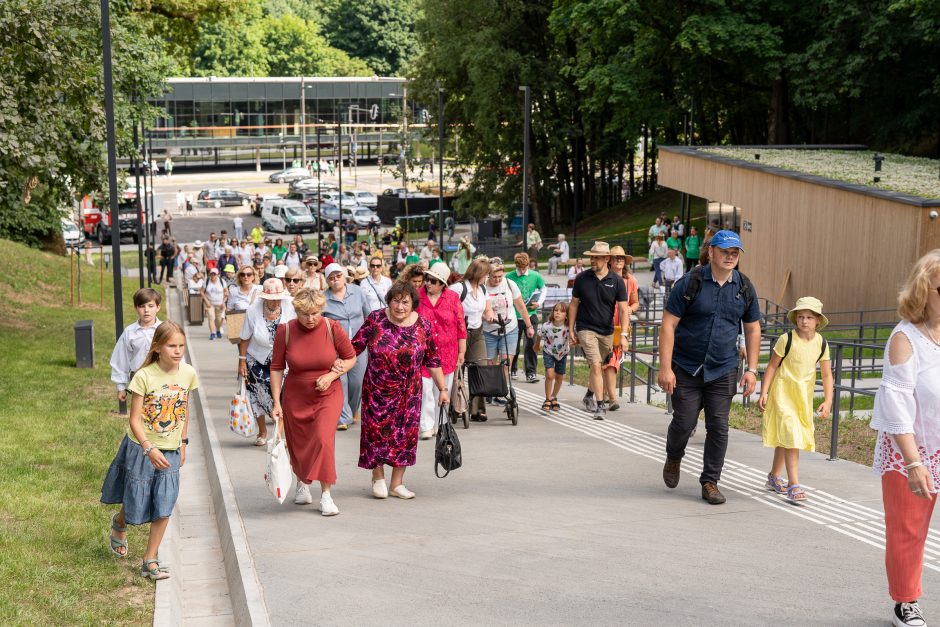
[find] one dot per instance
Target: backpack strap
(822, 352)
(747, 290)
(694, 286)
(786, 349)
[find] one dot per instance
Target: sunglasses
(294, 280)
(433, 281)
(375, 265)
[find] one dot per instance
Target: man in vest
(699, 357)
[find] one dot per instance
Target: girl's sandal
(556, 406)
(547, 405)
(795, 494)
(775, 484)
(115, 542)
(151, 570)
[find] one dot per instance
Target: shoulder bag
(447, 453)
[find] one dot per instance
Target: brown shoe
(671, 472)
(712, 494)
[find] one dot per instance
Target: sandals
(775, 484)
(115, 542)
(556, 406)
(151, 569)
(547, 405)
(795, 493)
(260, 441)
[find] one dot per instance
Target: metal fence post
(834, 441)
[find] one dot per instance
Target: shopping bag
(447, 453)
(277, 473)
(459, 403)
(240, 418)
(234, 320)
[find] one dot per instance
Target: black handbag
(446, 446)
(487, 380)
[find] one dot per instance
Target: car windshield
(363, 212)
(297, 211)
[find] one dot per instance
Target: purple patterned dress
(391, 389)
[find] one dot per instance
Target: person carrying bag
(447, 454)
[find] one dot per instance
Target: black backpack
(446, 447)
(465, 290)
(694, 286)
(786, 348)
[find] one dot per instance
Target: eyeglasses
(294, 280)
(431, 281)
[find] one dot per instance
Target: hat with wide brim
(273, 289)
(439, 271)
(358, 273)
(280, 271)
(808, 303)
(312, 261)
(599, 249)
(618, 251)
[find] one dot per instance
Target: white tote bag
(240, 418)
(277, 473)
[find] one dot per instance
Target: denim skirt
(146, 493)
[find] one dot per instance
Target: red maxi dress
(310, 416)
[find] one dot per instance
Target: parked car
(219, 198)
(333, 197)
(72, 235)
(288, 216)
(289, 175)
(311, 183)
(363, 217)
(364, 198)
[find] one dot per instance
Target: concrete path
(563, 520)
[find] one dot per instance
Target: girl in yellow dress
(786, 394)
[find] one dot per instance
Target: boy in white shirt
(132, 347)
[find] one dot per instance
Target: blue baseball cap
(726, 239)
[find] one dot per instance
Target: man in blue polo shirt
(699, 357)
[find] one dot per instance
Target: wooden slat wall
(850, 250)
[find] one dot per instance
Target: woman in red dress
(316, 355)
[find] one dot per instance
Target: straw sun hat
(808, 303)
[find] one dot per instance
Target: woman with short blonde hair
(293, 280)
(907, 449)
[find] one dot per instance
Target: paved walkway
(563, 520)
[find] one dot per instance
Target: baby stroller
(492, 381)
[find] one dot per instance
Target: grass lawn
(55, 447)
(633, 218)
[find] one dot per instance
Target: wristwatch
(185, 440)
(752, 371)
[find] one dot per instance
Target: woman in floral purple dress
(399, 343)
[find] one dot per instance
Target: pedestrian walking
(620, 263)
(151, 257)
(693, 248)
(532, 242)
(699, 357)
(131, 348)
(167, 219)
(503, 296)
(476, 309)
(595, 295)
(272, 307)
(180, 201)
(238, 223)
(400, 343)
(449, 225)
(907, 448)
(376, 285)
(346, 304)
(168, 166)
(144, 476)
(657, 253)
(532, 288)
(671, 269)
(786, 395)
(552, 340)
(442, 309)
(317, 352)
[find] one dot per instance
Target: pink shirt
(447, 326)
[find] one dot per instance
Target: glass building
(219, 121)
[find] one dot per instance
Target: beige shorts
(596, 347)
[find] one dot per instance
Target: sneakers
(302, 496)
(211, 336)
(531, 378)
(327, 506)
(499, 401)
(514, 375)
(712, 494)
(601, 412)
(589, 403)
(671, 472)
(908, 615)
(614, 406)
(427, 435)
(379, 489)
(218, 335)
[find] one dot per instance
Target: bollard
(85, 344)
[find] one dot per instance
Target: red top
(447, 326)
(308, 351)
(632, 295)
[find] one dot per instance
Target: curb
(245, 592)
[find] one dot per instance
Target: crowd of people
(351, 336)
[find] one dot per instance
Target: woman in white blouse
(907, 417)
(271, 308)
(376, 285)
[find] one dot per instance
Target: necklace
(930, 334)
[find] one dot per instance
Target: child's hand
(158, 460)
(824, 409)
(762, 402)
(122, 395)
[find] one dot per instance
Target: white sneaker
(402, 492)
(427, 435)
(379, 489)
(327, 506)
(302, 496)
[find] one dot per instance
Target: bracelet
(147, 450)
(241, 358)
(914, 465)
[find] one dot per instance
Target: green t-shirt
(527, 284)
(410, 259)
(279, 252)
(693, 246)
(674, 243)
(166, 403)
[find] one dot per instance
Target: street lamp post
(527, 121)
(440, 168)
(339, 170)
(319, 191)
(303, 121)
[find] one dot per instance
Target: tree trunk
(631, 158)
(646, 141)
(778, 131)
(653, 176)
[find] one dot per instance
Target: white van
(287, 216)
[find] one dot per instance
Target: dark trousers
(166, 269)
(690, 397)
(529, 358)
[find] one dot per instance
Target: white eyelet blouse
(908, 401)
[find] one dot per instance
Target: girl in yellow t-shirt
(786, 395)
(144, 476)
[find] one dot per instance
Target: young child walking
(144, 476)
(554, 334)
(131, 348)
(786, 395)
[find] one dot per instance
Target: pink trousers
(907, 521)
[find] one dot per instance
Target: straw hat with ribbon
(273, 289)
(599, 249)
